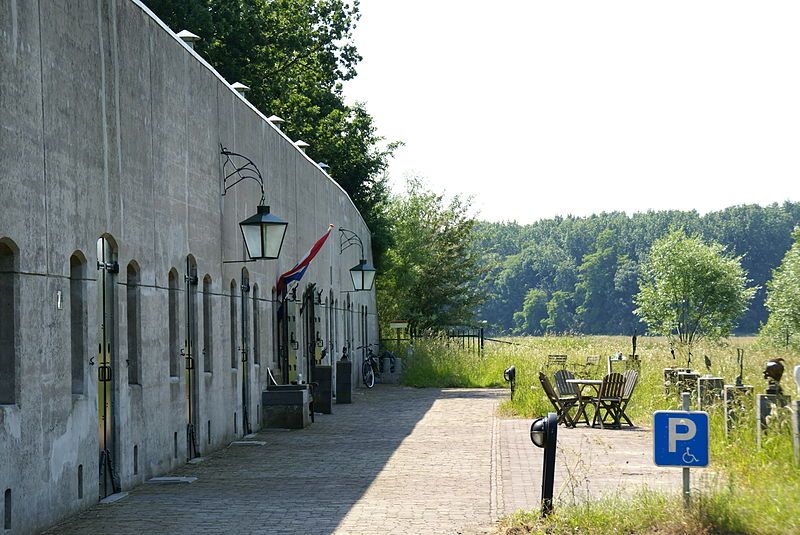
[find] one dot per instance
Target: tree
(689, 290)
(429, 273)
(534, 311)
(783, 296)
(560, 318)
(295, 55)
(595, 289)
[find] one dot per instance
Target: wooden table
(584, 399)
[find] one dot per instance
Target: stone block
(764, 404)
(736, 399)
(709, 391)
(671, 379)
(687, 381)
(286, 407)
(391, 372)
(344, 382)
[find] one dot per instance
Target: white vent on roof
(323, 166)
(240, 88)
(302, 145)
(276, 121)
(188, 37)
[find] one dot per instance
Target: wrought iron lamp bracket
(232, 174)
(348, 238)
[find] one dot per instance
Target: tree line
(580, 274)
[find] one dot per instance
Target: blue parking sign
(680, 438)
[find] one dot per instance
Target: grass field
(756, 491)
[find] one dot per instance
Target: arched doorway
(188, 352)
(309, 317)
(287, 335)
(245, 350)
(106, 361)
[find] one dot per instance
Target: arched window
(208, 326)
(77, 321)
(256, 327)
(173, 325)
(9, 288)
(134, 321)
(234, 359)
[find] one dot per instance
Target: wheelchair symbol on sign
(688, 457)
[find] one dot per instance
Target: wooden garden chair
(591, 363)
(561, 404)
(609, 401)
(556, 361)
(631, 378)
(569, 390)
(562, 386)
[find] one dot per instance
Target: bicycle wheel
(367, 374)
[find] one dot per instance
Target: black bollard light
(510, 375)
(544, 433)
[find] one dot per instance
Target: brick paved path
(398, 460)
(590, 463)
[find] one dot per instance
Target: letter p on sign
(680, 429)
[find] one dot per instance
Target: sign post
(680, 438)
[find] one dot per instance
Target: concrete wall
(110, 126)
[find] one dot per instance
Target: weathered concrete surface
(110, 126)
(398, 460)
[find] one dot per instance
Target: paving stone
(396, 460)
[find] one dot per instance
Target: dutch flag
(297, 272)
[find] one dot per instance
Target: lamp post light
(544, 433)
(510, 375)
(263, 232)
(363, 274)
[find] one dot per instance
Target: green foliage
(534, 312)
(435, 363)
(560, 318)
(428, 278)
(294, 56)
(595, 261)
(783, 299)
(689, 289)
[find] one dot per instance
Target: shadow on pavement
(302, 481)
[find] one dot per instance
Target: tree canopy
(689, 289)
(428, 278)
(783, 298)
(294, 55)
(586, 269)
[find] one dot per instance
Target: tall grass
(750, 490)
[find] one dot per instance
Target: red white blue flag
(297, 272)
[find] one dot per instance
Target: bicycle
(372, 367)
(369, 368)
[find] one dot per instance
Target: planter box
(286, 407)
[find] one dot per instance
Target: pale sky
(553, 108)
